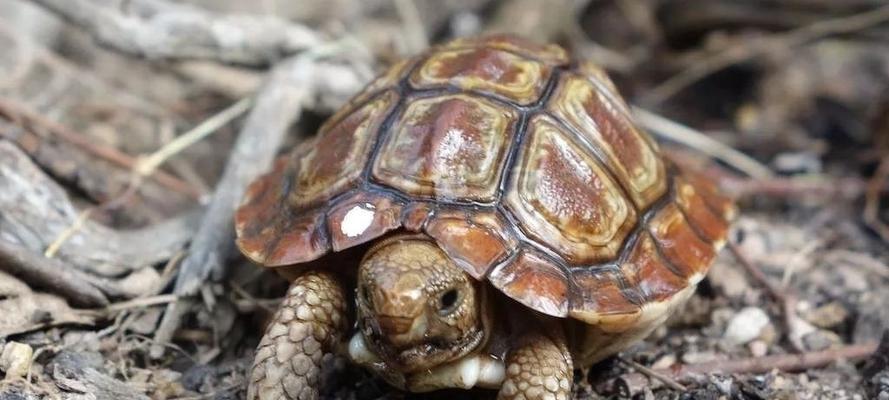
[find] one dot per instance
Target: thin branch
(665, 378)
(48, 273)
(149, 164)
(748, 50)
(278, 104)
(22, 115)
(160, 29)
(783, 362)
(783, 296)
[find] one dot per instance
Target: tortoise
(485, 214)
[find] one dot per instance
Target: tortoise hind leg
(307, 326)
(538, 367)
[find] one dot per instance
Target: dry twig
(36, 210)
(279, 103)
(783, 296)
(665, 378)
(23, 116)
(55, 275)
(690, 373)
(160, 29)
(750, 49)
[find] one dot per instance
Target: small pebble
(828, 315)
(758, 348)
(664, 362)
(698, 357)
(821, 340)
(16, 359)
(746, 325)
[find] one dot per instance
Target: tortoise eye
(448, 301)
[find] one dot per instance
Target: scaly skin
(305, 329)
(538, 368)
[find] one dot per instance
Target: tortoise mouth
(425, 355)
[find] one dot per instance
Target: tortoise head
(416, 308)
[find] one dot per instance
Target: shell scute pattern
(475, 241)
(447, 147)
(526, 170)
(601, 121)
(335, 163)
(498, 72)
(564, 197)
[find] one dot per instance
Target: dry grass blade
(671, 130)
(23, 116)
(147, 166)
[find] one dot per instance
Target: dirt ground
(129, 129)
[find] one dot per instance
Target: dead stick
(665, 378)
(277, 104)
(783, 362)
(49, 273)
(22, 114)
(162, 29)
(748, 50)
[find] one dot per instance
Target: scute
(600, 300)
(527, 171)
(688, 254)
(586, 107)
(476, 241)
(547, 53)
(362, 217)
(336, 162)
(534, 281)
(448, 147)
(564, 198)
(646, 271)
(485, 69)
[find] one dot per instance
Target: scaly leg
(306, 327)
(538, 367)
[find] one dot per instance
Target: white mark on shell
(357, 220)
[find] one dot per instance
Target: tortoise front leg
(307, 326)
(538, 367)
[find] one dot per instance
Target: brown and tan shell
(524, 166)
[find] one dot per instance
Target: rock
(699, 357)
(796, 163)
(16, 359)
(821, 340)
(746, 325)
(80, 376)
(199, 378)
(758, 348)
(827, 316)
(728, 279)
(664, 362)
(872, 316)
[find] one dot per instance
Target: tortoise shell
(524, 166)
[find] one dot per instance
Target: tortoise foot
(538, 368)
(305, 329)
